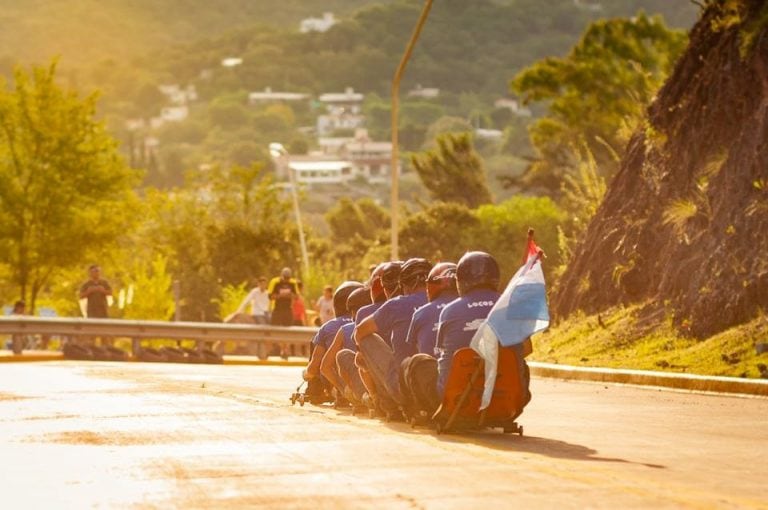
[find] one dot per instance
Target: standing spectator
(299, 310)
(98, 294)
(283, 294)
(258, 298)
(324, 305)
(17, 341)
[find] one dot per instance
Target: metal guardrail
(203, 333)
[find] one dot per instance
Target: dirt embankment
(685, 221)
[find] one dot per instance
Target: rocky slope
(685, 221)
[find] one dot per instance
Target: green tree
(443, 231)
(597, 94)
(454, 171)
(503, 231)
(356, 226)
(63, 186)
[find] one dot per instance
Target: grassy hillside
(86, 30)
(642, 337)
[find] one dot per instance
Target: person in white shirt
(258, 298)
(324, 305)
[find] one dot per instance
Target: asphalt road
(81, 435)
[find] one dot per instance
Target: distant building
(488, 134)
(317, 24)
(348, 101)
(178, 95)
(370, 160)
(322, 171)
(343, 112)
(333, 145)
(588, 6)
(231, 62)
(513, 105)
(424, 92)
(268, 96)
(328, 124)
(174, 113)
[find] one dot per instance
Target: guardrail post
(261, 350)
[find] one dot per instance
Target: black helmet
(441, 278)
(390, 276)
(477, 269)
(375, 285)
(341, 295)
(357, 299)
(414, 272)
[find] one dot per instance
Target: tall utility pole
(278, 151)
(395, 164)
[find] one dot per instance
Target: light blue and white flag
(520, 312)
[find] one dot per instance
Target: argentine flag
(520, 312)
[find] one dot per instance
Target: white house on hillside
(268, 96)
(317, 24)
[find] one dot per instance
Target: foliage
(355, 227)
(453, 172)
(503, 231)
(63, 187)
(582, 192)
(148, 287)
(597, 94)
(626, 338)
(230, 298)
(442, 231)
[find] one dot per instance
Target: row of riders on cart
(393, 347)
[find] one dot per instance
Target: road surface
(134, 435)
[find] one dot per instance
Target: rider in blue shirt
(324, 336)
(418, 373)
(441, 290)
(477, 279)
(385, 353)
(343, 339)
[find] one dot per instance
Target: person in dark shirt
(283, 293)
(98, 294)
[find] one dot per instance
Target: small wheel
(301, 400)
(413, 423)
(293, 399)
(439, 428)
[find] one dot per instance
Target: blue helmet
(476, 270)
(341, 295)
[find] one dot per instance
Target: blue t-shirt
(327, 331)
(349, 342)
(423, 329)
(367, 311)
(393, 319)
(458, 322)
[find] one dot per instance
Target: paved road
(78, 435)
